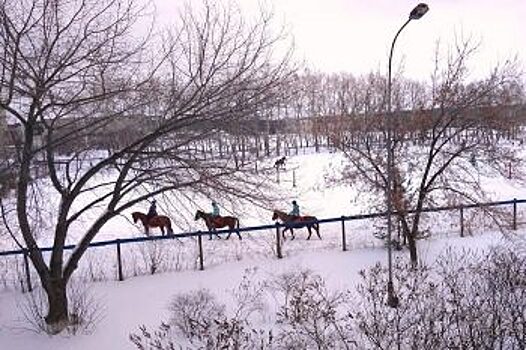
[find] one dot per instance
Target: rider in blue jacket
(215, 209)
(295, 209)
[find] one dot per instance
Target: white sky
(355, 35)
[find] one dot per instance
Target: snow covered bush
(309, 315)
(465, 300)
(199, 321)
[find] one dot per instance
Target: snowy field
(143, 298)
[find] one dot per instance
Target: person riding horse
(215, 209)
(295, 212)
(152, 211)
(152, 219)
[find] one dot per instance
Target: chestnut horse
(160, 221)
(215, 222)
(291, 222)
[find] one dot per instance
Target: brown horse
(291, 222)
(160, 221)
(215, 222)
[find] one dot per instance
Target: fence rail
(343, 218)
(277, 226)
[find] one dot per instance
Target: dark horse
(291, 222)
(215, 222)
(160, 221)
(280, 163)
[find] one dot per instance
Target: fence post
(119, 261)
(293, 178)
(461, 221)
(344, 238)
(278, 242)
(200, 243)
(514, 213)
(28, 274)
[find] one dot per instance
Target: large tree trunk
(412, 249)
(410, 236)
(57, 318)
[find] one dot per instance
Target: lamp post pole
(392, 299)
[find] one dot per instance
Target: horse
(214, 222)
(280, 163)
(160, 221)
(291, 222)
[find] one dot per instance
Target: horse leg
(237, 229)
(162, 230)
(210, 228)
(292, 234)
(310, 232)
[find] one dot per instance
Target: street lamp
(392, 300)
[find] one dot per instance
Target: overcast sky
(355, 35)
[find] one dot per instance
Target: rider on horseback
(152, 211)
(295, 210)
(215, 209)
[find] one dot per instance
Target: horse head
(198, 215)
(275, 215)
(135, 216)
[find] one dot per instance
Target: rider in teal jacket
(215, 209)
(295, 209)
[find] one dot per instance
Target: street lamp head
(419, 11)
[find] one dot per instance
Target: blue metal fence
(120, 241)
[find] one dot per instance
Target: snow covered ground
(142, 299)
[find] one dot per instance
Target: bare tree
(76, 71)
(452, 119)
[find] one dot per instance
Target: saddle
(216, 220)
(295, 218)
(152, 217)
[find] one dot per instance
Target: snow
(142, 299)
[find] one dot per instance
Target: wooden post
(278, 242)
(119, 261)
(28, 274)
(509, 170)
(461, 222)
(293, 178)
(277, 174)
(344, 238)
(200, 243)
(514, 213)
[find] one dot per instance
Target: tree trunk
(57, 318)
(412, 249)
